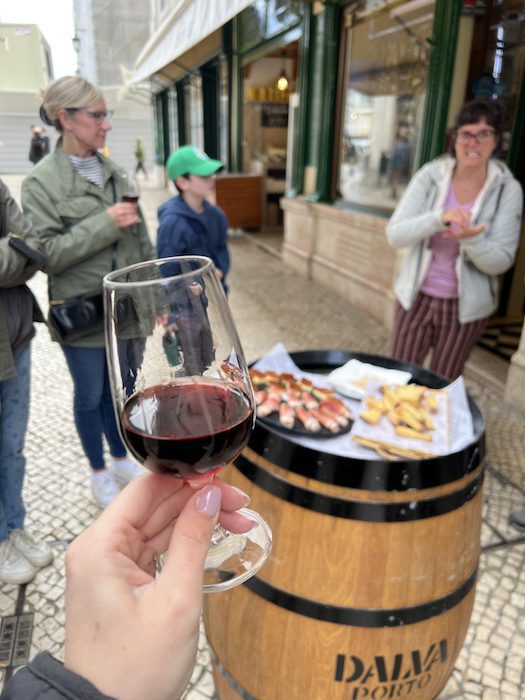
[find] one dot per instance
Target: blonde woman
(74, 200)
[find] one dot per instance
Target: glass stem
(219, 535)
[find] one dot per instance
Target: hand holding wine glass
(158, 617)
(184, 399)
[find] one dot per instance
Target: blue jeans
(14, 415)
(92, 405)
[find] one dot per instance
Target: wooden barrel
(370, 585)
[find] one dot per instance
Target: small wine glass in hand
(181, 388)
(131, 189)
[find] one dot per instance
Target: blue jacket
(183, 232)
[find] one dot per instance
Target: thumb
(183, 570)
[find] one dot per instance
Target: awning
(189, 22)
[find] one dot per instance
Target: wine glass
(181, 388)
(131, 189)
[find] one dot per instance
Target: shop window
(173, 117)
(264, 19)
(497, 65)
(224, 120)
(194, 112)
(161, 127)
(383, 97)
(158, 136)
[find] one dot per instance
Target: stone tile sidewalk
(270, 303)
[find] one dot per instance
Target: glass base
(232, 558)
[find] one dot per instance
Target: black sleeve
(45, 678)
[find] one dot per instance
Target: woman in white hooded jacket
(460, 221)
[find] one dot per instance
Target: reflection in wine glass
(181, 388)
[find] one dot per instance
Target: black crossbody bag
(73, 319)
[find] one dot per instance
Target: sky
(55, 20)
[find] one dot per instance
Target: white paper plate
(352, 378)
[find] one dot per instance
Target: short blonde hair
(69, 92)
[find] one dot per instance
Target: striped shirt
(90, 168)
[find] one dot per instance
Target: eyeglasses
(98, 117)
(464, 137)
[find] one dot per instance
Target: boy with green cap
(188, 223)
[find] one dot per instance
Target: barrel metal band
(369, 474)
(232, 682)
(357, 510)
(359, 617)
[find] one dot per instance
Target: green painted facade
(317, 27)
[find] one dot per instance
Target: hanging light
(282, 81)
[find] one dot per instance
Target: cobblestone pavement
(270, 303)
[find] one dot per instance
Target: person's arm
(407, 224)
(75, 229)
(494, 249)
(47, 678)
(128, 633)
(15, 268)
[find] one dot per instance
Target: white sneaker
(103, 486)
(14, 568)
(37, 553)
(124, 470)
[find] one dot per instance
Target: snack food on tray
(404, 421)
(298, 399)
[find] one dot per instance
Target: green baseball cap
(191, 160)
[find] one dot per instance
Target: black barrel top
(373, 474)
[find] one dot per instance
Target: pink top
(441, 280)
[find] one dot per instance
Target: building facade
(108, 38)
(25, 68)
(369, 94)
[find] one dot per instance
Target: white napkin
(461, 426)
(352, 378)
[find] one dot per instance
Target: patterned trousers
(432, 324)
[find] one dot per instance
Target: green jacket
(14, 272)
(70, 215)
(139, 152)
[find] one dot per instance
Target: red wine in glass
(189, 429)
(131, 192)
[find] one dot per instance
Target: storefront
(268, 62)
(229, 95)
(384, 85)
(372, 89)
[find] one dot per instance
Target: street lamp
(76, 43)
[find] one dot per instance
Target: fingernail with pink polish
(246, 498)
(255, 523)
(208, 501)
